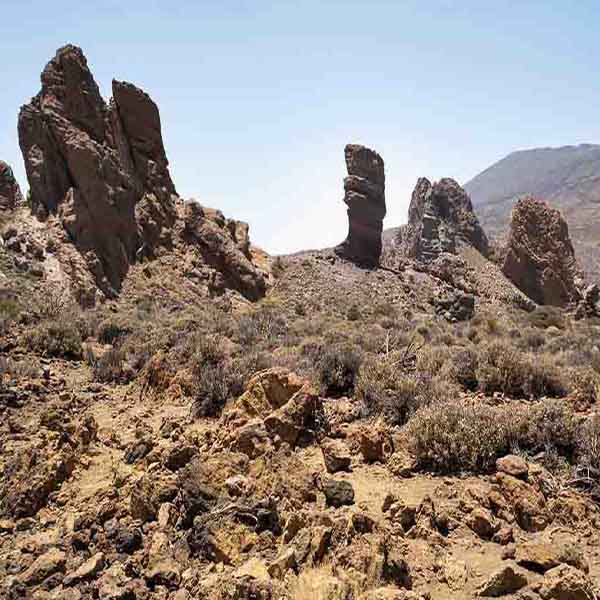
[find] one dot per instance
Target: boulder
(44, 566)
(335, 456)
(10, 192)
(365, 197)
(89, 569)
(566, 583)
(440, 217)
(540, 556)
(508, 579)
(513, 465)
(338, 492)
(540, 259)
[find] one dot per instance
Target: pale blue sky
(257, 99)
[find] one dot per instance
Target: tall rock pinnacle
(365, 196)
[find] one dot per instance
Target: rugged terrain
(568, 178)
(192, 418)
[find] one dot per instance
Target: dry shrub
(547, 316)
(266, 324)
(588, 445)
(503, 368)
(337, 368)
(467, 436)
(111, 331)
(586, 385)
(215, 381)
(59, 338)
(386, 389)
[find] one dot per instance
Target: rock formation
(540, 259)
(102, 171)
(10, 193)
(365, 196)
(440, 216)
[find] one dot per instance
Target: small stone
(507, 580)
(338, 493)
(513, 465)
(44, 566)
(286, 561)
(335, 456)
(6, 525)
(87, 570)
(503, 536)
(482, 522)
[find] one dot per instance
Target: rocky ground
(183, 416)
(339, 439)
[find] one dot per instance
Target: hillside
(567, 177)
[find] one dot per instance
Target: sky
(258, 99)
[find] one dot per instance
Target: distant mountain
(567, 177)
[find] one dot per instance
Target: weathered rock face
(439, 217)
(10, 193)
(102, 171)
(100, 168)
(540, 259)
(365, 196)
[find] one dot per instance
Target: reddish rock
(365, 196)
(540, 259)
(513, 465)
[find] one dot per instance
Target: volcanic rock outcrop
(440, 216)
(10, 193)
(102, 171)
(365, 196)
(540, 259)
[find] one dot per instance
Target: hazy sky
(258, 99)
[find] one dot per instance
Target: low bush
(588, 445)
(337, 368)
(467, 436)
(503, 368)
(109, 367)
(386, 389)
(59, 338)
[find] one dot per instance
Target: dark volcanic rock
(91, 164)
(10, 193)
(102, 170)
(365, 196)
(540, 259)
(439, 217)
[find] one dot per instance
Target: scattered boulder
(540, 556)
(540, 259)
(335, 455)
(440, 217)
(365, 197)
(338, 492)
(89, 569)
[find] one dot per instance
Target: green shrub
(58, 338)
